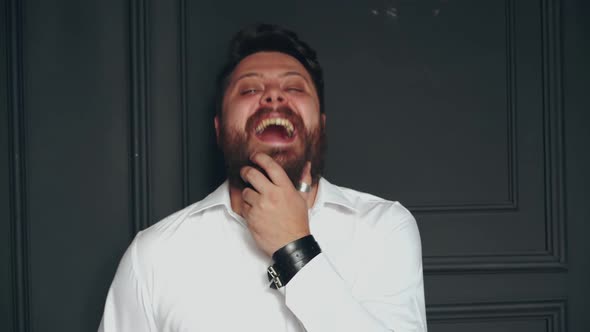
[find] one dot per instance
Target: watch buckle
(274, 278)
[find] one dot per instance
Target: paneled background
(474, 114)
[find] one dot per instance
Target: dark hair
(270, 37)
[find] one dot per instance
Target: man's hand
(276, 212)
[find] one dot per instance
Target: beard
(236, 148)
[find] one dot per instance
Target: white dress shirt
(200, 270)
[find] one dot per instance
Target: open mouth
(275, 130)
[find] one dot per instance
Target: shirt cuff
(321, 300)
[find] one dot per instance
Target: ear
(323, 120)
(216, 123)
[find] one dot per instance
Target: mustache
(283, 111)
(234, 143)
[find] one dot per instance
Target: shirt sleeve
(128, 304)
(386, 295)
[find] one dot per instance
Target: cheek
(310, 114)
(236, 114)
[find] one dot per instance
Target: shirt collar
(331, 194)
(327, 194)
(219, 197)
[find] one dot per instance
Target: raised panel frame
(511, 148)
(552, 311)
(553, 256)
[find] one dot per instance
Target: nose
(272, 96)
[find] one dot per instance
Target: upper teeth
(276, 122)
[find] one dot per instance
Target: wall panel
(76, 60)
(531, 233)
(168, 178)
(6, 253)
(537, 316)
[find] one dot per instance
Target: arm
(127, 306)
(387, 295)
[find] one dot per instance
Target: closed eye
(294, 89)
(248, 92)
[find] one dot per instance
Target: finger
(246, 208)
(254, 177)
(275, 172)
(250, 196)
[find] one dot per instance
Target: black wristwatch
(290, 259)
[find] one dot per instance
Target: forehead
(269, 64)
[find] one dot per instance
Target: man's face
(271, 105)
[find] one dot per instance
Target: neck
(235, 195)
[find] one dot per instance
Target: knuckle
(273, 197)
(245, 196)
(249, 173)
(245, 172)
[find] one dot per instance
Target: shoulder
(373, 211)
(166, 227)
(170, 234)
(386, 230)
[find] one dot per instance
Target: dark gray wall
(474, 114)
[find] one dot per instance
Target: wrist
(290, 259)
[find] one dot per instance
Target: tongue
(274, 133)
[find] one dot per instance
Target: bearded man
(276, 247)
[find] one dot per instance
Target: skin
(276, 212)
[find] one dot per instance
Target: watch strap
(290, 259)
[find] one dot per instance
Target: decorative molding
(140, 120)
(463, 207)
(21, 278)
(511, 82)
(553, 132)
(552, 311)
(553, 256)
(182, 30)
(511, 148)
(506, 262)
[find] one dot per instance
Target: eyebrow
(247, 75)
(294, 73)
(289, 73)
